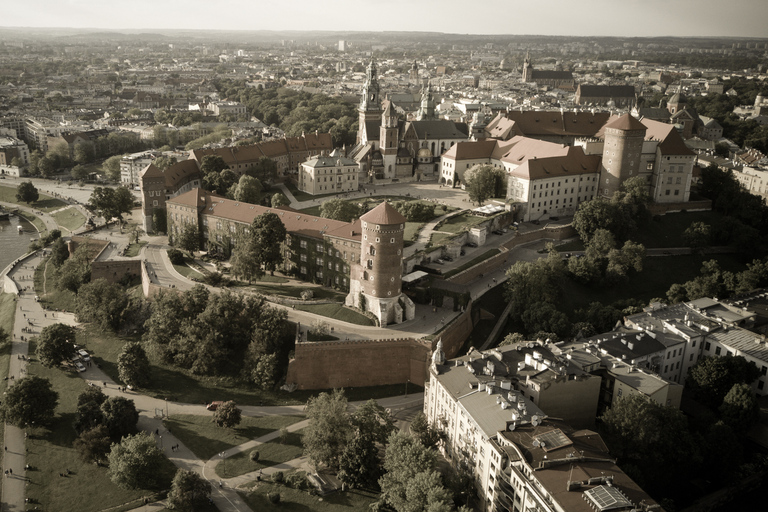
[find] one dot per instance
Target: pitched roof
(573, 164)
(438, 129)
(606, 91)
(181, 172)
(151, 171)
(626, 123)
(384, 214)
(578, 124)
(294, 222)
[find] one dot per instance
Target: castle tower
(388, 143)
(621, 153)
(370, 102)
(677, 102)
(376, 282)
(427, 107)
(413, 75)
(152, 185)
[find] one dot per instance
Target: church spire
(370, 100)
(427, 107)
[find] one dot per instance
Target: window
(319, 247)
(717, 351)
(303, 244)
(303, 270)
(706, 346)
(760, 385)
(303, 257)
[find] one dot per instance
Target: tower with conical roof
(370, 102)
(621, 153)
(376, 281)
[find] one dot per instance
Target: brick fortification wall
(115, 271)
(345, 364)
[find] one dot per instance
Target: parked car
(471, 244)
(79, 366)
(84, 355)
(447, 258)
(439, 261)
(497, 232)
(214, 405)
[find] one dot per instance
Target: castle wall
(344, 364)
(115, 271)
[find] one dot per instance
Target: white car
(80, 366)
(84, 355)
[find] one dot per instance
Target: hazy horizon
(592, 18)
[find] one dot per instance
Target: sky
(641, 18)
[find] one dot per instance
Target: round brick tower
(621, 153)
(376, 284)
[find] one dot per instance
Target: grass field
(293, 500)
(50, 296)
(437, 238)
(7, 315)
(134, 249)
(271, 454)
(201, 435)
(50, 453)
(188, 271)
(337, 312)
(294, 291)
(36, 221)
(45, 202)
(461, 222)
(71, 218)
(303, 196)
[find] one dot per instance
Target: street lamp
(406, 385)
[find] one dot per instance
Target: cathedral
(390, 149)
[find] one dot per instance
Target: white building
(329, 174)
(132, 165)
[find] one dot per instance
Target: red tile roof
(384, 214)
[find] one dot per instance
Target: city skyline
(631, 18)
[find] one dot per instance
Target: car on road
(439, 261)
(471, 244)
(214, 405)
(79, 366)
(84, 355)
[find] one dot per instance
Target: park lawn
(461, 222)
(35, 221)
(70, 219)
(188, 271)
(412, 230)
(471, 263)
(134, 249)
(201, 435)
(312, 210)
(50, 295)
(303, 196)
(7, 315)
(44, 203)
(295, 291)
(50, 453)
(668, 230)
(293, 500)
(271, 453)
(337, 312)
(436, 238)
(659, 273)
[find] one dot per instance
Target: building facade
(332, 174)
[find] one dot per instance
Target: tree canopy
(135, 462)
(339, 209)
(111, 202)
(485, 181)
(55, 344)
(133, 366)
(30, 402)
(189, 491)
(246, 190)
(329, 429)
(102, 302)
(711, 378)
(227, 415)
(27, 192)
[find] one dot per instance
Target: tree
(513, 338)
(30, 402)
(75, 271)
(111, 167)
(652, 438)
(188, 238)
(111, 202)
(133, 365)
(102, 302)
(740, 409)
(339, 209)
(135, 462)
(359, 464)
(93, 444)
(120, 417)
(189, 492)
(159, 220)
(135, 233)
(89, 414)
(329, 429)
(59, 252)
(27, 193)
(227, 415)
(265, 170)
(482, 182)
(245, 261)
(269, 233)
(711, 378)
(247, 190)
(279, 199)
(411, 482)
(697, 236)
(415, 211)
(428, 435)
(79, 172)
(55, 344)
(264, 373)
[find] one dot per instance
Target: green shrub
(274, 497)
(278, 477)
(176, 256)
